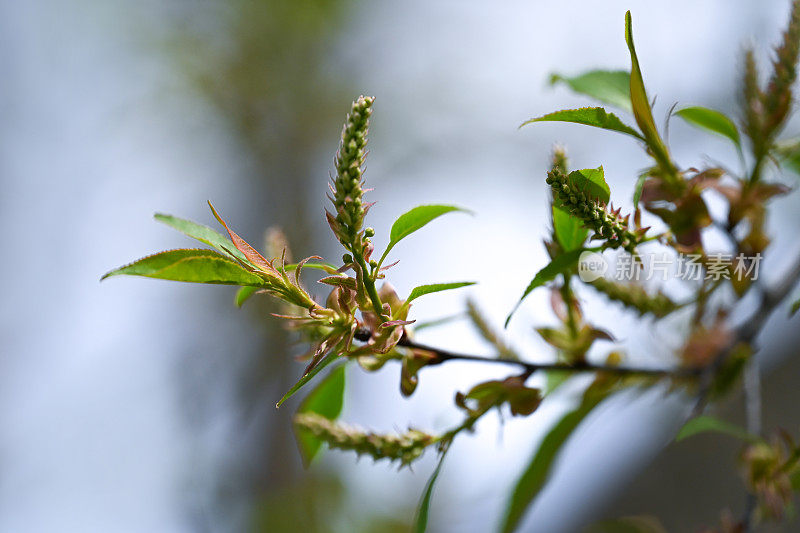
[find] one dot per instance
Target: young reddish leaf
(326, 400)
(521, 400)
(608, 86)
(393, 323)
(195, 266)
(249, 252)
(299, 267)
(589, 116)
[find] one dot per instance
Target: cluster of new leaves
(770, 468)
(363, 319)
(359, 320)
(713, 350)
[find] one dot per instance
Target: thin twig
(752, 403)
(752, 397)
(745, 333)
(442, 356)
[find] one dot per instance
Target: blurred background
(141, 405)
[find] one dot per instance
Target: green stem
(369, 285)
(448, 436)
(383, 257)
(755, 175)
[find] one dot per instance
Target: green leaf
(641, 104)
(788, 153)
(704, 423)
(795, 307)
(569, 230)
(327, 400)
(436, 287)
(196, 266)
(328, 359)
(558, 265)
(202, 233)
(711, 120)
(244, 294)
(416, 218)
(792, 162)
(554, 379)
(591, 181)
(590, 116)
(637, 190)
(535, 475)
(608, 86)
(421, 523)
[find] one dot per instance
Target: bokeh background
(139, 405)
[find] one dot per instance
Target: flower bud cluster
(348, 184)
(606, 223)
(559, 159)
(753, 103)
(766, 111)
(778, 95)
(405, 447)
(636, 297)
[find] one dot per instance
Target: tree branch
(446, 355)
(746, 333)
(752, 402)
